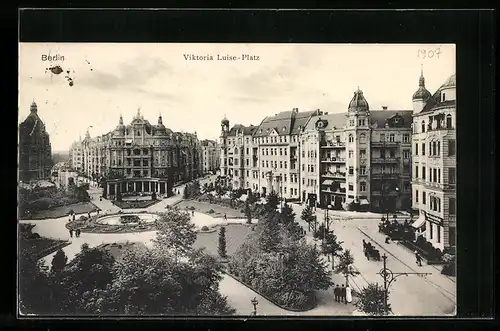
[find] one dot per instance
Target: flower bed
(41, 247)
(90, 225)
(137, 204)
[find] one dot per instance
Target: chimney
(384, 107)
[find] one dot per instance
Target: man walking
(71, 233)
(336, 293)
(418, 258)
(343, 294)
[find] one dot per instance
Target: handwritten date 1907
(428, 53)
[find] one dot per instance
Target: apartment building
(434, 162)
(210, 156)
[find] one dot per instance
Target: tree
(248, 213)
(268, 238)
(175, 231)
(59, 262)
(307, 216)
(331, 246)
(345, 265)
(222, 242)
(272, 201)
(35, 296)
(148, 281)
(287, 215)
(371, 300)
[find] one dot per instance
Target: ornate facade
(434, 162)
(141, 158)
(35, 152)
(362, 156)
(210, 156)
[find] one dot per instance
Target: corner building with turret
(140, 158)
(434, 163)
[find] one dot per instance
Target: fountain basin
(127, 219)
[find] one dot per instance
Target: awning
(327, 182)
(419, 222)
(363, 202)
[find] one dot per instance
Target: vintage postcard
(237, 179)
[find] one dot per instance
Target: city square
(345, 212)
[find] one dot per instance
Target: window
(351, 122)
(435, 175)
(362, 153)
(424, 200)
(285, 164)
(451, 236)
(430, 175)
(406, 138)
(423, 126)
(351, 138)
(350, 154)
(248, 173)
(236, 172)
(448, 122)
(451, 175)
(416, 195)
(438, 148)
(406, 154)
(423, 173)
(351, 170)
(271, 151)
(438, 227)
(391, 137)
(351, 187)
(434, 148)
(423, 148)
(392, 153)
(451, 147)
(308, 168)
(416, 171)
(416, 149)
(263, 163)
(382, 137)
(362, 170)
(281, 151)
(451, 206)
(431, 230)
(382, 153)
(362, 187)
(247, 148)
(439, 176)
(362, 137)
(267, 164)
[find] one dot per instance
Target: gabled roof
(285, 123)
(337, 120)
(379, 117)
(246, 130)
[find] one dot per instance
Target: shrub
(204, 228)
(295, 300)
(211, 211)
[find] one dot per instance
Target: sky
(194, 95)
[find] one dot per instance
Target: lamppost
(254, 302)
(326, 225)
(389, 277)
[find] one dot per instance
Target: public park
(210, 250)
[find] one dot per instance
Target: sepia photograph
(236, 180)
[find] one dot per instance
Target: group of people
(342, 294)
(77, 232)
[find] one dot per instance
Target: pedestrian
(418, 258)
(348, 294)
(343, 294)
(71, 233)
(88, 214)
(78, 232)
(336, 293)
(73, 216)
(192, 212)
(225, 217)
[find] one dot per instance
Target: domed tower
(33, 107)
(120, 129)
(225, 126)
(357, 138)
(420, 97)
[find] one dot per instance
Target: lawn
(235, 236)
(41, 247)
(204, 207)
(127, 204)
(56, 212)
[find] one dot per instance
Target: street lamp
(326, 225)
(254, 302)
(389, 277)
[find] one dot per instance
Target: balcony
(384, 176)
(385, 143)
(333, 160)
(385, 160)
(333, 144)
(337, 175)
(340, 191)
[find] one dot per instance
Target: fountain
(127, 219)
